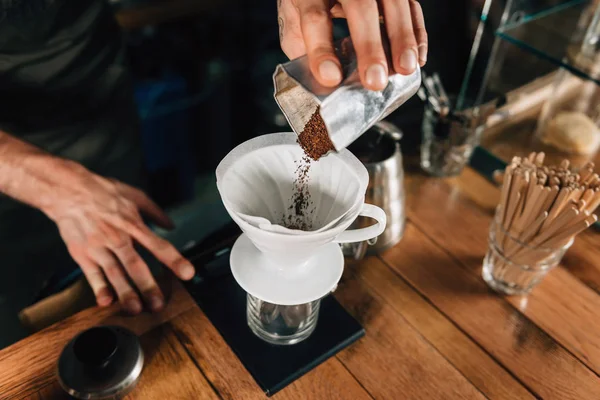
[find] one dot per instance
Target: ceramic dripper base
(283, 301)
(286, 285)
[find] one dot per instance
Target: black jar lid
(100, 363)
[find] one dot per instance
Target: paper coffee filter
(256, 179)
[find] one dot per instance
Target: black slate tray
(224, 302)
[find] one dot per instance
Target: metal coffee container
(103, 362)
(349, 109)
(379, 151)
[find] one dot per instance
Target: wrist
(60, 178)
(39, 179)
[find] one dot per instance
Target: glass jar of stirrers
(513, 267)
(542, 209)
(279, 324)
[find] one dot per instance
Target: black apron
(65, 88)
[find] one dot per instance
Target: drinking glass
(514, 268)
(279, 324)
(447, 144)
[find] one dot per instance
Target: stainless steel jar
(379, 150)
(103, 362)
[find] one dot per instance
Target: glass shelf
(549, 35)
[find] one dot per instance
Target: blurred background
(203, 72)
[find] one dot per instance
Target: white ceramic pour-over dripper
(287, 269)
(264, 280)
(256, 179)
(291, 251)
(266, 225)
(253, 220)
(282, 229)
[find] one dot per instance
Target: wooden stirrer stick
(583, 215)
(559, 203)
(546, 234)
(564, 237)
(513, 199)
(592, 180)
(539, 159)
(559, 222)
(506, 189)
(512, 212)
(594, 202)
(534, 228)
(588, 195)
(529, 212)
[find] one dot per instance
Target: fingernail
(376, 76)
(156, 303)
(330, 71)
(408, 60)
(133, 306)
(422, 53)
(187, 271)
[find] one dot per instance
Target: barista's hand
(305, 27)
(99, 220)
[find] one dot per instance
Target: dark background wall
(205, 81)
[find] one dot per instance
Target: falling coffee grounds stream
(314, 140)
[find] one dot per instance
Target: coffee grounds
(314, 138)
(315, 142)
(301, 206)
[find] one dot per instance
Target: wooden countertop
(434, 329)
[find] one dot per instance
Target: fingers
(112, 269)
(399, 25)
(96, 279)
(140, 274)
(290, 32)
(316, 25)
(363, 21)
(108, 252)
(164, 251)
(167, 254)
(338, 12)
(146, 205)
(418, 21)
(403, 20)
(74, 237)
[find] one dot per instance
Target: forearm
(30, 175)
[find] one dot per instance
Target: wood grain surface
(466, 240)
(28, 365)
(167, 364)
(395, 350)
(434, 328)
(440, 331)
